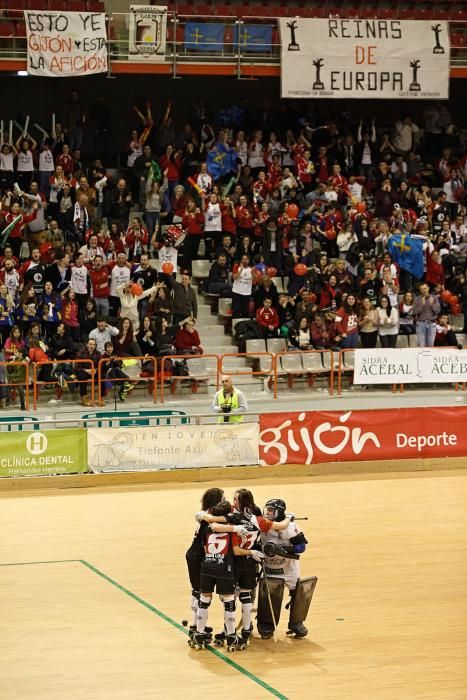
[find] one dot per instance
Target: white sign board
(410, 366)
(364, 58)
(147, 33)
(65, 44)
(172, 447)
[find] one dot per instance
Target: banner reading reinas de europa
(313, 437)
(64, 44)
(364, 58)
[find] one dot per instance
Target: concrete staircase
(214, 340)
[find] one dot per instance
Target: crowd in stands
(315, 205)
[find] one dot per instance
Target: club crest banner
(364, 58)
(148, 30)
(172, 447)
(410, 366)
(65, 44)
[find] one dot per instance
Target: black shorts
(194, 572)
(222, 586)
(246, 579)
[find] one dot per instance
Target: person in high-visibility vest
(229, 402)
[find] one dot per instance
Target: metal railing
(179, 51)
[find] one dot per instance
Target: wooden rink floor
(388, 620)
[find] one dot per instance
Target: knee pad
(229, 603)
(204, 602)
(245, 597)
(194, 593)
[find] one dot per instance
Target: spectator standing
(426, 308)
(388, 322)
(184, 299)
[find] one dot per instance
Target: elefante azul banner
(147, 33)
(172, 447)
(364, 58)
(64, 44)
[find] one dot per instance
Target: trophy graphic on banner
(293, 46)
(437, 30)
(318, 84)
(415, 85)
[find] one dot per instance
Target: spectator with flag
(221, 160)
(407, 252)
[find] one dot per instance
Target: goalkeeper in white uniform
(282, 549)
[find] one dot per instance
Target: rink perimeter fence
(150, 440)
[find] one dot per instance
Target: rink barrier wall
(292, 444)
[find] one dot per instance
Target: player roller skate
(282, 551)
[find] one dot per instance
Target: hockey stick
(269, 597)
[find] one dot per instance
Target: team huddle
(235, 547)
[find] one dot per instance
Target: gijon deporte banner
(364, 58)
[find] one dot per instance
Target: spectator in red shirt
(66, 160)
(193, 225)
(187, 340)
(172, 163)
(268, 319)
(99, 276)
(229, 216)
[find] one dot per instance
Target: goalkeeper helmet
(275, 507)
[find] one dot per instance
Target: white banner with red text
(364, 58)
(172, 447)
(64, 44)
(313, 437)
(410, 366)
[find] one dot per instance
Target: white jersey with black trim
(281, 567)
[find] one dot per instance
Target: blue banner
(256, 38)
(407, 252)
(221, 160)
(204, 36)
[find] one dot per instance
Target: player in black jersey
(217, 573)
(195, 553)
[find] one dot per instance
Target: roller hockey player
(217, 572)
(195, 554)
(282, 550)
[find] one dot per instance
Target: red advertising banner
(311, 437)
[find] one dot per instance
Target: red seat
(423, 13)
(37, 5)
(96, 6)
(203, 9)
(7, 29)
(259, 11)
(76, 6)
(58, 5)
(406, 13)
(458, 40)
(17, 12)
(185, 10)
(387, 13)
(226, 11)
(20, 30)
(368, 13)
(350, 12)
(318, 12)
